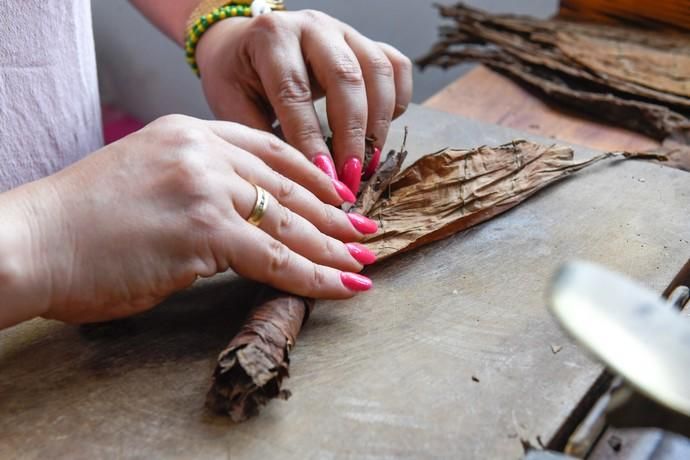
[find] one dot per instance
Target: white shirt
(49, 104)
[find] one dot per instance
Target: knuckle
(354, 131)
(330, 216)
(404, 64)
(172, 120)
(190, 137)
(180, 131)
(190, 174)
(279, 257)
(348, 71)
(285, 221)
(293, 90)
(382, 124)
(381, 66)
(286, 190)
(400, 62)
(318, 280)
(308, 132)
(272, 143)
(268, 24)
(315, 15)
(333, 249)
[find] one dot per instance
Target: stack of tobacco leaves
(635, 78)
(438, 195)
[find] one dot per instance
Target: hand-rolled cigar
(251, 369)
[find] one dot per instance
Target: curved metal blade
(631, 329)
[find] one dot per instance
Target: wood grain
(668, 13)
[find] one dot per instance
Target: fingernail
(344, 192)
(361, 253)
(325, 164)
(363, 224)
(352, 174)
(355, 282)
(373, 163)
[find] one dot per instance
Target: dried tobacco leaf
(663, 69)
(537, 44)
(635, 78)
(452, 190)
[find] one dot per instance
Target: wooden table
(451, 356)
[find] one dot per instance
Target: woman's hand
(119, 231)
(255, 70)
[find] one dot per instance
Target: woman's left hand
(255, 70)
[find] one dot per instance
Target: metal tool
(639, 336)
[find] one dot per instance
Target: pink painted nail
(325, 164)
(355, 282)
(361, 253)
(363, 224)
(373, 163)
(344, 192)
(352, 174)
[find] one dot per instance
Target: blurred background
(144, 73)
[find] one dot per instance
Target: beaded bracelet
(246, 8)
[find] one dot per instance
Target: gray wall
(145, 73)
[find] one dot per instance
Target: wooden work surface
(386, 375)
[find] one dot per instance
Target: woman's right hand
(117, 232)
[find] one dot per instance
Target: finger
(284, 159)
(379, 78)
(402, 67)
(294, 231)
(337, 70)
(328, 219)
(254, 254)
(287, 86)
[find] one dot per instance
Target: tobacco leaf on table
(437, 196)
(654, 120)
(449, 191)
(551, 50)
(663, 69)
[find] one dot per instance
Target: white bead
(260, 7)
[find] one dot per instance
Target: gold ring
(260, 207)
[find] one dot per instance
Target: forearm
(23, 295)
(169, 17)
